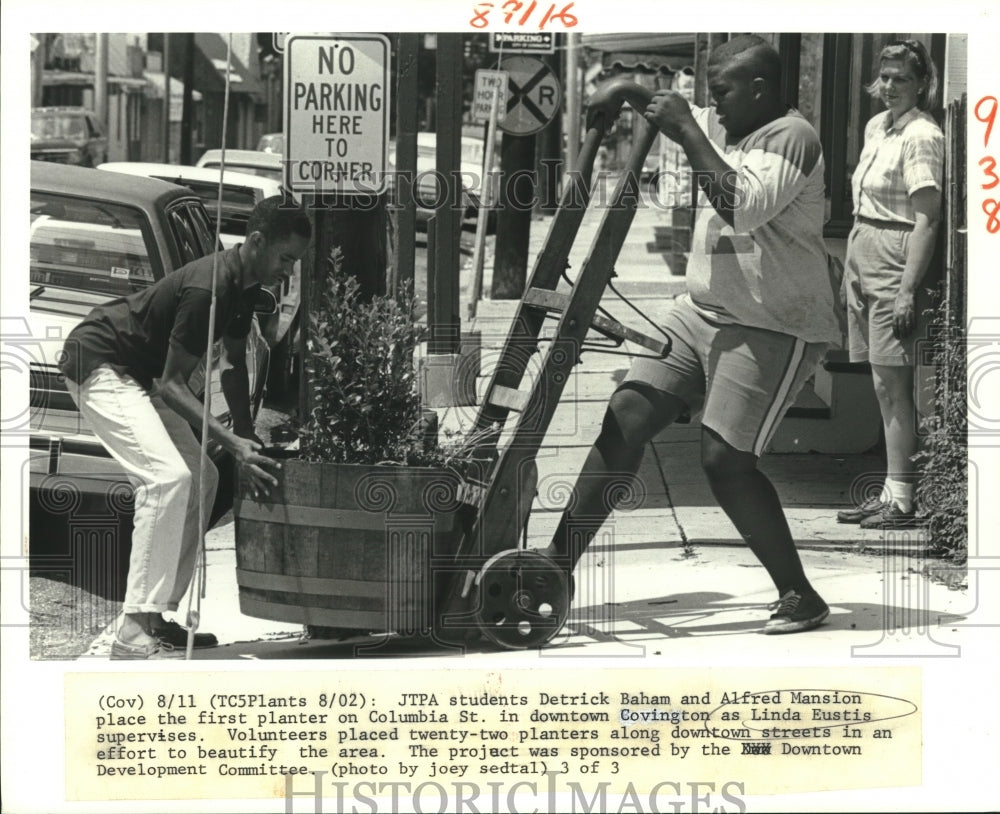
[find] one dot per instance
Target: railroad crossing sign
(533, 96)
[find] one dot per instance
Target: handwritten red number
(992, 210)
(568, 20)
(527, 14)
(514, 6)
(989, 171)
(479, 20)
(989, 118)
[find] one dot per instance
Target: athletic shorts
(742, 380)
(873, 271)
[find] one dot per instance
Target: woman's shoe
(867, 509)
(892, 517)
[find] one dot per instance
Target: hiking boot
(891, 517)
(796, 612)
(860, 513)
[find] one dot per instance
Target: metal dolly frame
(516, 597)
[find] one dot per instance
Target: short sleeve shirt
(133, 333)
(897, 159)
(769, 270)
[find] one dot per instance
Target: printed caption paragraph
(344, 736)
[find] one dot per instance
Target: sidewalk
(671, 576)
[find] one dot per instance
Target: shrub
(943, 487)
(365, 406)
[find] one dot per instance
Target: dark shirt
(132, 334)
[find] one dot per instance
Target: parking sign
(336, 113)
(488, 83)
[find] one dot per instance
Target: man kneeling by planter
(127, 367)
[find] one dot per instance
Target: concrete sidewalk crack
(688, 548)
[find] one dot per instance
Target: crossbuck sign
(336, 113)
(533, 96)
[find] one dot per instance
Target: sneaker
(148, 651)
(173, 635)
(796, 612)
(891, 517)
(860, 513)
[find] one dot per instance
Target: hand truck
(519, 598)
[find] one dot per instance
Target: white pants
(161, 456)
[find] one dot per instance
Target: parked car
(240, 193)
(426, 178)
(252, 162)
(68, 135)
(94, 236)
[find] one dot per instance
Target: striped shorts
(741, 380)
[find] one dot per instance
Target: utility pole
(572, 79)
(406, 160)
(38, 53)
(443, 316)
(101, 80)
(165, 131)
(187, 105)
(510, 265)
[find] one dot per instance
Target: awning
(642, 63)
(241, 80)
(680, 45)
(50, 78)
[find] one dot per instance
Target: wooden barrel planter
(348, 546)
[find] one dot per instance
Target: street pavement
(670, 578)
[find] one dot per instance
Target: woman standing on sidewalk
(897, 203)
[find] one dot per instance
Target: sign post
(534, 99)
(336, 125)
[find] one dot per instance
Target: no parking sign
(336, 113)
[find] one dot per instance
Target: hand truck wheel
(522, 599)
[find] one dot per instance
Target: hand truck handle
(606, 102)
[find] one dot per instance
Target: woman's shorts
(741, 379)
(873, 271)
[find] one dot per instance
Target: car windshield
(61, 125)
(88, 245)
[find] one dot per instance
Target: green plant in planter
(346, 544)
(365, 404)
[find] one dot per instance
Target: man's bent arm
(173, 389)
(236, 385)
(716, 178)
(672, 116)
